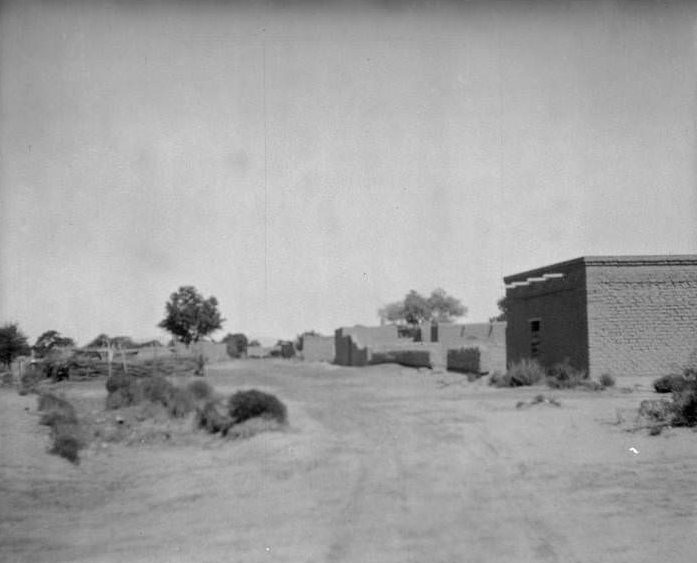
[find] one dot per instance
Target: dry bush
(520, 374)
(565, 376)
(685, 405)
(31, 379)
(124, 391)
(60, 415)
(56, 410)
(201, 390)
(244, 405)
(670, 383)
(606, 380)
(213, 417)
(67, 444)
(180, 403)
(157, 390)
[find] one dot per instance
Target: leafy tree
(13, 343)
(236, 344)
(50, 340)
(502, 304)
(415, 308)
(254, 343)
(443, 307)
(100, 341)
(190, 317)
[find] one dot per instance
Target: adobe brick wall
(642, 316)
(351, 343)
(560, 304)
(318, 348)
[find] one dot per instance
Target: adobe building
(623, 315)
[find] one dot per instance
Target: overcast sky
(306, 164)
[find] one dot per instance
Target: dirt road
(382, 464)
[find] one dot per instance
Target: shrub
(566, 376)
(56, 410)
(213, 418)
(685, 405)
(180, 403)
(606, 380)
(157, 390)
(523, 373)
(60, 415)
(669, 383)
(67, 445)
(244, 405)
(656, 410)
(124, 391)
(201, 390)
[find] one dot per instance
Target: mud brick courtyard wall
(318, 348)
(623, 315)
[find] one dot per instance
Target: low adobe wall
(488, 338)
(318, 348)
(352, 343)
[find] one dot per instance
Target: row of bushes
(560, 376)
(66, 433)
(212, 413)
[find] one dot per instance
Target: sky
(308, 162)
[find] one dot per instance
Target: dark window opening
(535, 340)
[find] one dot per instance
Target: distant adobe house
(624, 315)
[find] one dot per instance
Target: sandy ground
(382, 464)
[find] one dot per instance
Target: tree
(236, 344)
(443, 307)
(502, 304)
(13, 343)
(50, 340)
(190, 317)
(415, 308)
(100, 341)
(254, 343)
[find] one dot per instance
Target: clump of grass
(520, 374)
(606, 380)
(201, 390)
(244, 405)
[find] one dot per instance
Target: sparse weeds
(520, 374)
(539, 400)
(566, 376)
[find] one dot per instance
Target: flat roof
(648, 260)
